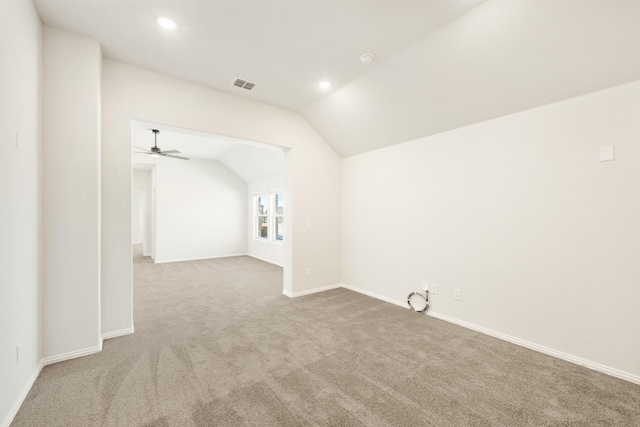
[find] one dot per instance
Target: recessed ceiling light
(324, 85)
(167, 23)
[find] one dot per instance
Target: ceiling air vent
(244, 84)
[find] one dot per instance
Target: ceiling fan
(156, 152)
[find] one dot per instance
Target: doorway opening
(208, 206)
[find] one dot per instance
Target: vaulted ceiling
(249, 160)
(502, 57)
(285, 46)
(439, 64)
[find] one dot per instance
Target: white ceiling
(441, 64)
(249, 160)
(285, 46)
(502, 57)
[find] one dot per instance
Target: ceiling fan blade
(143, 149)
(141, 152)
(171, 152)
(175, 157)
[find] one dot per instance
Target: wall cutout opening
(210, 206)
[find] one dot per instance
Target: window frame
(274, 215)
(271, 215)
(257, 215)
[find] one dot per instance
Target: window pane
(279, 228)
(263, 204)
(279, 203)
(263, 226)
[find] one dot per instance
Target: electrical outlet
(434, 288)
(425, 286)
(309, 272)
(457, 294)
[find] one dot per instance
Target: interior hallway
(216, 343)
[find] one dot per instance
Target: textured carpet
(217, 344)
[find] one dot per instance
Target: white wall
(201, 210)
(20, 220)
(142, 181)
(133, 93)
(138, 217)
(263, 249)
(518, 213)
(71, 189)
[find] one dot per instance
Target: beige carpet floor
(217, 344)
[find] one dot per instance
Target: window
(278, 217)
(269, 216)
(262, 210)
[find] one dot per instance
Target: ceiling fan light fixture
(156, 152)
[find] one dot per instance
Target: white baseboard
(402, 304)
(530, 345)
(119, 333)
(533, 346)
(70, 355)
(163, 261)
(54, 359)
(312, 291)
(540, 348)
(8, 419)
(265, 260)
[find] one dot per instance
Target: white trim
(70, 355)
(119, 333)
(530, 345)
(271, 215)
(163, 261)
(265, 260)
(8, 419)
(540, 348)
(402, 304)
(274, 215)
(312, 291)
(254, 233)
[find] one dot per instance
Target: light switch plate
(607, 153)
